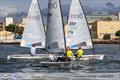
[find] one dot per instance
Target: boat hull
(54, 57)
(28, 56)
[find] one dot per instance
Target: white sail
(34, 31)
(55, 34)
(77, 31)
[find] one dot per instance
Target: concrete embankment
(10, 42)
(106, 41)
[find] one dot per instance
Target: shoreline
(106, 41)
(94, 42)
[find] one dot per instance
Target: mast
(41, 16)
(88, 27)
(63, 26)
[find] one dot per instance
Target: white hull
(48, 56)
(28, 56)
(96, 56)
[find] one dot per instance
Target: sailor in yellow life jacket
(69, 54)
(79, 53)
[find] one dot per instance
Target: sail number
(72, 23)
(33, 17)
(77, 16)
(52, 5)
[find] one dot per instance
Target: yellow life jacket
(69, 54)
(80, 53)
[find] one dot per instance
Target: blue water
(110, 64)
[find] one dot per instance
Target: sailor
(33, 50)
(69, 54)
(61, 59)
(51, 57)
(79, 53)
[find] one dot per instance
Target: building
(8, 20)
(119, 16)
(6, 35)
(23, 22)
(1, 26)
(100, 28)
(94, 18)
(100, 13)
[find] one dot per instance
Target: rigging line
(87, 26)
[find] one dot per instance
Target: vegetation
(20, 31)
(107, 19)
(118, 33)
(14, 28)
(11, 28)
(107, 37)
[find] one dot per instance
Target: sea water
(107, 69)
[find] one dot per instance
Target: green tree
(11, 28)
(107, 19)
(118, 33)
(20, 31)
(107, 37)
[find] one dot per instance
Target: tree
(107, 19)
(118, 33)
(11, 28)
(107, 37)
(20, 31)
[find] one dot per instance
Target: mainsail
(55, 34)
(34, 31)
(77, 30)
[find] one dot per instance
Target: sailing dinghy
(55, 37)
(56, 41)
(77, 33)
(34, 32)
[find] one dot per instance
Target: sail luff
(63, 28)
(55, 35)
(87, 24)
(88, 27)
(42, 20)
(78, 33)
(34, 31)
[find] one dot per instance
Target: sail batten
(34, 31)
(55, 35)
(77, 30)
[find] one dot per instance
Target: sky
(14, 6)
